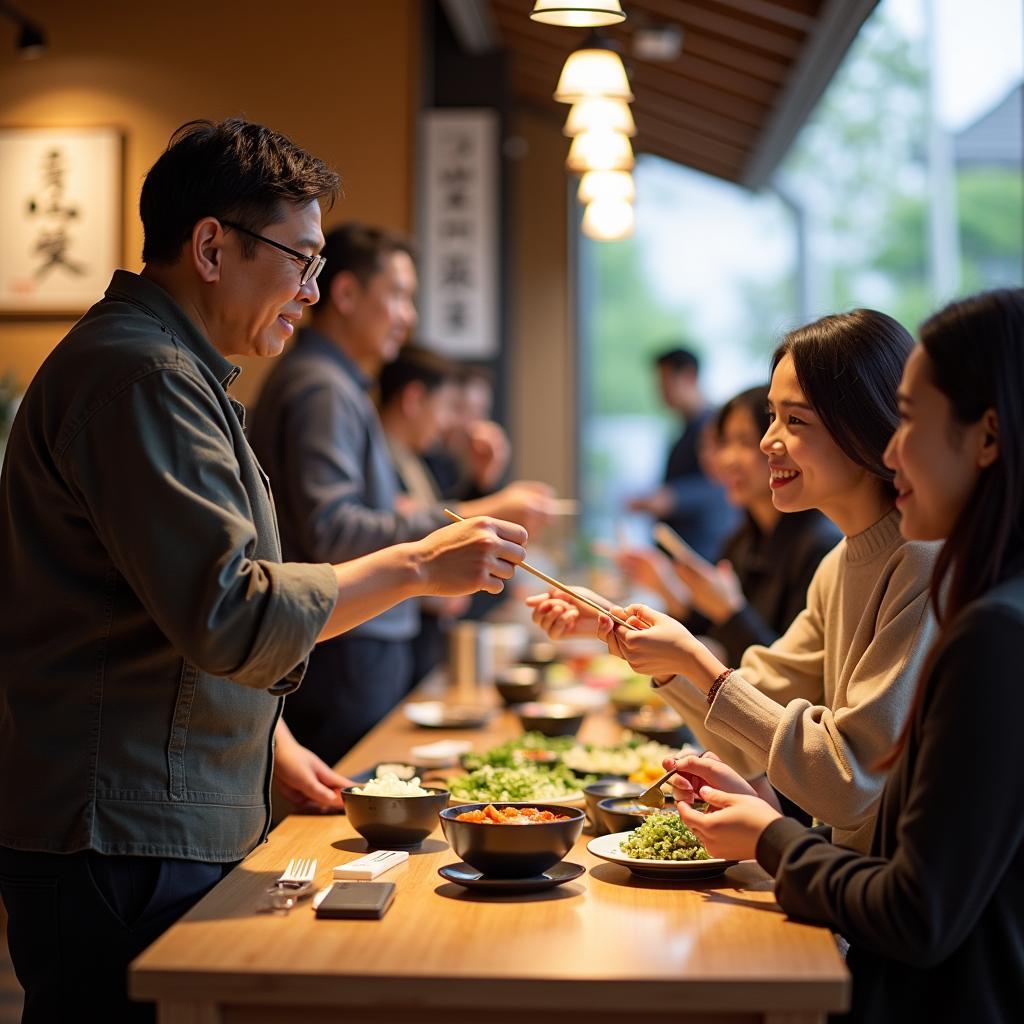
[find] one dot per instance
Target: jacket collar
(150, 297)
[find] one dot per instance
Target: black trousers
(351, 683)
(75, 921)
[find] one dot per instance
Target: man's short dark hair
(232, 169)
(416, 364)
(359, 249)
(678, 359)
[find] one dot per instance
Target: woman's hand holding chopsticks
(560, 616)
(659, 646)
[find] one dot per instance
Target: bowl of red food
(512, 840)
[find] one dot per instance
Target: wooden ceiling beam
(695, 161)
(666, 106)
(772, 11)
(730, 29)
(688, 65)
(685, 138)
(838, 26)
(695, 43)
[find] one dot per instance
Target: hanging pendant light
(600, 151)
(594, 71)
(597, 186)
(608, 220)
(586, 13)
(599, 114)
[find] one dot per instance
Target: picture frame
(459, 227)
(61, 218)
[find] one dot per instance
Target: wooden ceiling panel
(731, 102)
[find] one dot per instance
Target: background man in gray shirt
(318, 435)
(149, 628)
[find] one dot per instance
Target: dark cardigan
(935, 915)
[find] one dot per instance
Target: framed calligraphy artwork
(60, 218)
(459, 231)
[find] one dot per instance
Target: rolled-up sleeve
(156, 471)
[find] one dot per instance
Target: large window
(905, 189)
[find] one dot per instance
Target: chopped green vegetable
(495, 783)
(517, 752)
(663, 836)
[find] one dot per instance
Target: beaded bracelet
(717, 685)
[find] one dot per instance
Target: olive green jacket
(148, 628)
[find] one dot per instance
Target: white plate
(579, 696)
(435, 714)
(440, 754)
(608, 848)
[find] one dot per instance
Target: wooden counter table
(604, 948)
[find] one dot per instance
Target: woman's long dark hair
(975, 351)
(849, 366)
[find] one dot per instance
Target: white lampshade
(608, 220)
(600, 151)
(599, 186)
(598, 113)
(585, 14)
(593, 72)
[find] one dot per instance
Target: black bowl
(605, 790)
(623, 814)
(662, 725)
(512, 851)
(540, 654)
(550, 719)
(519, 683)
(394, 822)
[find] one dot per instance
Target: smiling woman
(833, 410)
(818, 709)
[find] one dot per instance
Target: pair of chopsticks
(557, 584)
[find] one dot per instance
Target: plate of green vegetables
(662, 847)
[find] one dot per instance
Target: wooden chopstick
(557, 584)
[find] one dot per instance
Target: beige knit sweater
(821, 706)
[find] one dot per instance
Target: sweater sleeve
(823, 757)
(797, 660)
(961, 825)
(692, 706)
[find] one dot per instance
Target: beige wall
(340, 78)
(542, 364)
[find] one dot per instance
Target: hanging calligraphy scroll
(459, 232)
(60, 218)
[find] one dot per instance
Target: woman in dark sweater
(759, 586)
(935, 914)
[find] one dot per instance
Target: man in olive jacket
(149, 629)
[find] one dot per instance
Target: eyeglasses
(311, 265)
